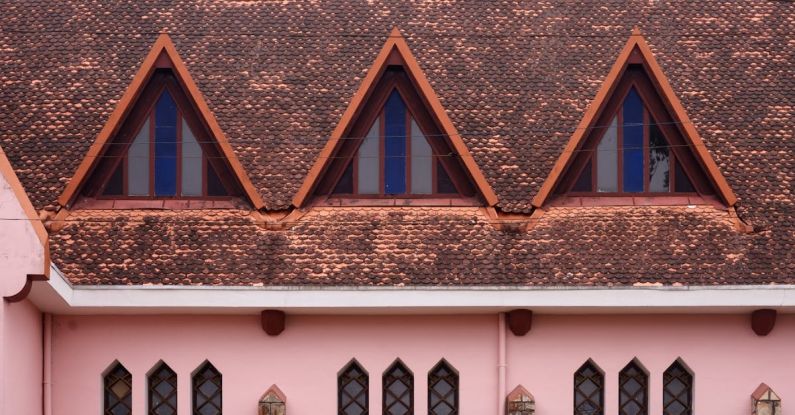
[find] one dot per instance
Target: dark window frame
(407, 379)
(153, 381)
(625, 397)
(598, 379)
(117, 373)
(197, 401)
(344, 377)
(452, 378)
(687, 378)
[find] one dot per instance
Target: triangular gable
(395, 49)
(637, 51)
(162, 52)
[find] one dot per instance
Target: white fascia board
(412, 299)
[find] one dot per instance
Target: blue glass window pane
(633, 142)
(165, 146)
(395, 145)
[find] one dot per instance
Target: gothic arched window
(118, 391)
(207, 388)
(398, 384)
(352, 393)
(443, 390)
(162, 391)
(677, 390)
(589, 390)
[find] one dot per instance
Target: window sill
(683, 200)
(164, 204)
(387, 202)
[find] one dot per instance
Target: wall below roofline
(728, 359)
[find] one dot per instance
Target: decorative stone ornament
(273, 402)
(520, 402)
(765, 401)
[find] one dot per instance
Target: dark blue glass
(633, 142)
(165, 146)
(394, 145)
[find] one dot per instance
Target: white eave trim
(413, 299)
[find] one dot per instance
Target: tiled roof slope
(417, 246)
(515, 78)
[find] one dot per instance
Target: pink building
(430, 208)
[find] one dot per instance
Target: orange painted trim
(23, 293)
(398, 42)
(657, 76)
(163, 44)
(30, 212)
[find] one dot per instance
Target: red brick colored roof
(417, 246)
(515, 78)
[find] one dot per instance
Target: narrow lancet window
(207, 388)
(162, 391)
(633, 389)
(443, 390)
(677, 390)
(398, 393)
(589, 390)
(118, 391)
(352, 390)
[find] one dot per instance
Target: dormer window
(165, 159)
(161, 148)
(395, 158)
(633, 155)
(395, 145)
(635, 148)
(635, 145)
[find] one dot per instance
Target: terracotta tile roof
(418, 246)
(515, 78)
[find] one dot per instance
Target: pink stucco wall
(303, 361)
(728, 359)
(21, 374)
(21, 253)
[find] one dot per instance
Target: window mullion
(179, 155)
(646, 171)
(620, 149)
(382, 152)
(152, 129)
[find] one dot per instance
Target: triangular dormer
(161, 142)
(636, 140)
(395, 141)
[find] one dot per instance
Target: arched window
(443, 390)
(398, 384)
(207, 389)
(677, 390)
(162, 391)
(118, 391)
(633, 387)
(352, 393)
(589, 390)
